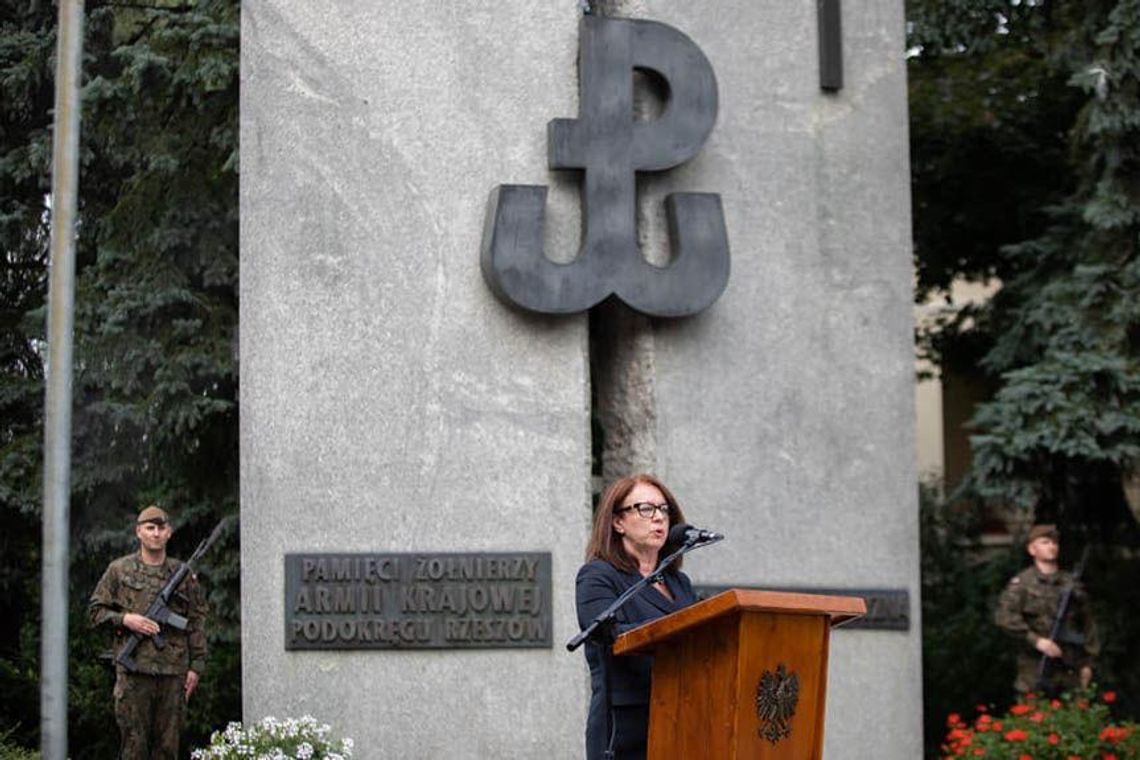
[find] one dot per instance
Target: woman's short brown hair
(605, 543)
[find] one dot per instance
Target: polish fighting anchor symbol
(610, 146)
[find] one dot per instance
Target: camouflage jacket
(130, 585)
(1028, 606)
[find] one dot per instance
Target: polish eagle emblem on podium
(777, 695)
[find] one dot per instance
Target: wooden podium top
(643, 639)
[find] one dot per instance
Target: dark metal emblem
(610, 146)
(830, 46)
(777, 695)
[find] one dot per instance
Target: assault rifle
(159, 610)
(1059, 633)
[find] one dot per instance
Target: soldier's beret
(1042, 531)
(152, 514)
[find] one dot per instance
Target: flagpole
(58, 398)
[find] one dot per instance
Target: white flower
(263, 740)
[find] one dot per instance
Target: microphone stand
(602, 624)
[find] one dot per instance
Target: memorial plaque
(417, 601)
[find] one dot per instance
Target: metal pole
(57, 410)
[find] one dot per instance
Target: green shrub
(1044, 729)
(9, 750)
(966, 659)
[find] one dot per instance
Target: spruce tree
(155, 377)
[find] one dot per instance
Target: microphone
(683, 534)
(698, 536)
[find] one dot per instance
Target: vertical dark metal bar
(830, 45)
(57, 404)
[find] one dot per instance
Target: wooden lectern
(740, 675)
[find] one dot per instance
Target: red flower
(952, 719)
(979, 751)
(1113, 735)
(1019, 709)
(1109, 697)
(1037, 717)
(1053, 739)
(1016, 735)
(996, 726)
(1108, 756)
(1024, 756)
(1056, 704)
(982, 708)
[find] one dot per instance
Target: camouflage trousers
(1060, 677)
(150, 711)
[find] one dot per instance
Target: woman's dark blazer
(599, 584)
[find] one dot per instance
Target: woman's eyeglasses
(646, 509)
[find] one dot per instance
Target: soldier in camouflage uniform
(1027, 609)
(150, 704)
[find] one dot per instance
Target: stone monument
(418, 456)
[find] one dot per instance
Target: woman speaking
(630, 527)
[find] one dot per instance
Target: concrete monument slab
(391, 404)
